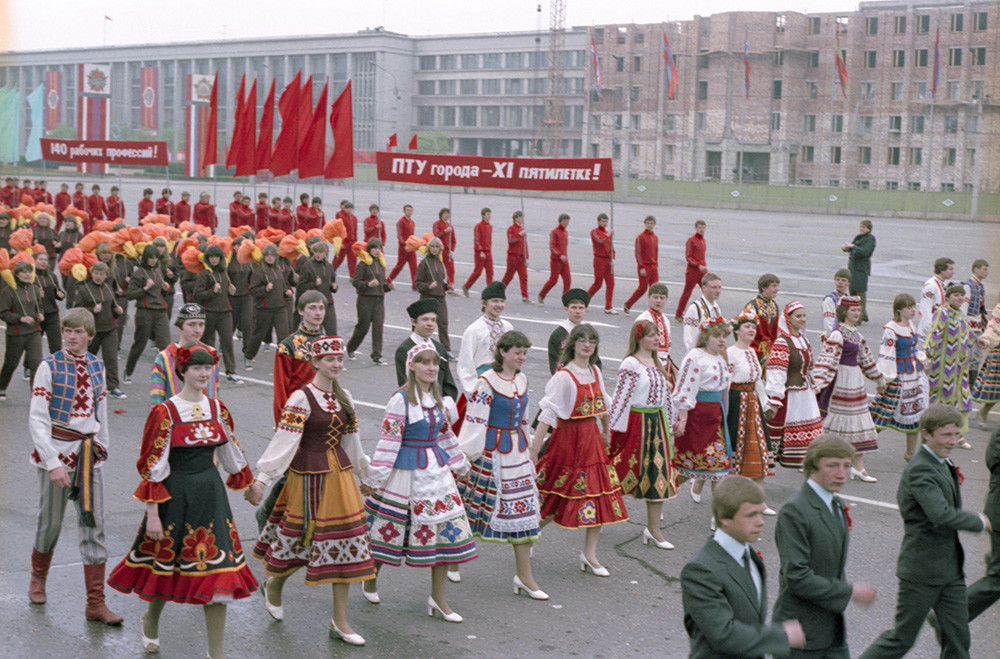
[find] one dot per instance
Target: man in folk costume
(658, 293)
(423, 317)
(405, 227)
(517, 255)
(947, 345)
(705, 307)
(932, 295)
(694, 254)
(69, 429)
(841, 285)
(767, 313)
(479, 341)
(575, 301)
(165, 380)
(604, 262)
(482, 248)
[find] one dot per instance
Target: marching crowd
(459, 457)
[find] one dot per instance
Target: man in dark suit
(811, 535)
(930, 561)
(724, 586)
(423, 318)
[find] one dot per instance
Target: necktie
(749, 570)
(837, 508)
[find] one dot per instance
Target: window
(919, 90)
(779, 58)
(447, 87)
(808, 153)
(871, 25)
(595, 122)
(842, 24)
(913, 186)
(775, 121)
(947, 187)
(834, 155)
(491, 86)
(866, 123)
(837, 123)
(899, 58)
(668, 153)
(895, 123)
(469, 87)
(954, 88)
(447, 116)
(515, 117)
(979, 21)
(915, 155)
(923, 24)
(622, 34)
(637, 64)
(833, 183)
(470, 61)
(634, 93)
(448, 62)
(864, 155)
(634, 150)
(950, 124)
(805, 181)
(514, 86)
(899, 25)
(427, 62)
(703, 61)
(617, 93)
(776, 89)
(700, 120)
(978, 56)
(779, 23)
(670, 122)
(977, 89)
(896, 91)
(972, 123)
(892, 157)
(868, 91)
(957, 22)
(619, 64)
(636, 122)
(598, 36)
(868, 59)
(813, 25)
(493, 60)
(862, 184)
(537, 86)
(425, 116)
(616, 151)
(917, 124)
(617, 122)
(491, 115)
(812, 89)
(812, 60)
(949, 157)
(702, 90)
(514, 60)
(970, 157)
(809, 123)
(954, 57)
(920, 57)
(425, 88)
(468, 117)
(639, 38)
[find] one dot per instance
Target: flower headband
(708, 323)
(748, 315)
(412, 353)
(184, 355)
(327, 345)
(639, 329)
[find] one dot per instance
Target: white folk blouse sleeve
(560, 395)
(389, 441)
(286, 439)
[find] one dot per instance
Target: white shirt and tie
(740, 551)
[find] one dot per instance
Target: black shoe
(27, 374)
(352, 355)
(378, 361)
(3, 395)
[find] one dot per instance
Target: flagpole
(930, 157)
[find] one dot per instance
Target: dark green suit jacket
(721, 612)
(812, 588)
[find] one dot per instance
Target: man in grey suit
(724, 586)
(931, 559)
(812, 536)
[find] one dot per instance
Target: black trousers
(221, 322)
(864, 304)
(107, 343)
(242, 315)
(149, 323)
(442, 320)
(371, 313)
(69, 285)
(52, 331)
(28, 345)
(122, 321)
(264, 321)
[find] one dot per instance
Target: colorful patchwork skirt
(642, 455)
(987, 387)
(704, 451)
(747, 432)
(899, 407)
(501, 499)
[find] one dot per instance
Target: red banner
(53, 99)
(148, 85)
(105, 152)
(483, 172)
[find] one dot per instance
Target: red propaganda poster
(485, 172)
(118, 152)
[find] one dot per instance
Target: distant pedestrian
(859, 262)
(694, 255)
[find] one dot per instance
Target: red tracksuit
(164, 206)
(114, 208)
(62, 201)
(517, 257)
(482, 244)
(446, 233)
(204, 214)
(374, 228)
(261, 216)
(558, 261)
(351, 225)
(8, 196)
(404, 229)
(95, 208)
(182, 212)
(80, 203)
(303, 220)
(694, 252)
(285, 220)
(145, 207)
(41, 196)
(604, 272)
(647, 257)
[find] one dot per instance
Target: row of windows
(538, 59)
(865, 184)
(956, 23)
(516, 116)
(921, 57)
(914, 156)
(920, 90)
(496, 86)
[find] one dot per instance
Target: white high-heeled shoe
(533, 594)
(350, 639)
(277, 612)
(148, 644)
(370, 596)
(598, 571)
(695, 496)
(454, 576)
(862, 476)
(647, 537)
(432, 606)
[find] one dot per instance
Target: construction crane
(555, 104)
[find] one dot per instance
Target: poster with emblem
(97, 80)
(149, 101)
(53, 99)
(201, 89)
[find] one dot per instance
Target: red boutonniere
(761, 557)
(847, 518)
(961, 478)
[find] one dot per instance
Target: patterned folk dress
(319, 519)
(947, 347)
(642, 450)
(797, 422)
(902, 363)
(704, 451)
(747, 431)
(200, 559)
(416, 513)
(501, 498)
(987, 386)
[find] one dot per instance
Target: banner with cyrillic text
(117, 152)
(486, 172)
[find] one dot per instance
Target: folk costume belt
(83, 478)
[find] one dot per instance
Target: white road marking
(871, 502)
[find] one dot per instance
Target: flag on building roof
(596, 63)
(838, 60)
(670, 65)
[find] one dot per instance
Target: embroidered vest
(64, 384)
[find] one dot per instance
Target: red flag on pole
(246, 158)
(235, 144)
(841, 68)
(305, 109)
(413, 143)
(262, 158)
(211, 154)
(313, 149)
(670, 64)
(393, 141)
(286, 146)
(341, 164)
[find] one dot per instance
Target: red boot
(39, 572)
(93, 575)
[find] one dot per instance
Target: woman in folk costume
(501, 498)
(947, 345)
(797, 422)
(642, 411)
(839, 376)
(702, 447)
(748, 404)
(188, 549)
(576, 484)
(318, 521)
(901, 361)
(415, 513)
(987, 385)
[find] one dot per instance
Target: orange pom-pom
(272, 235)
(291, 248)
(71, 257)
(104, 225)
(240, 230)
(413, 243)
(90, 241)
(27, 200)
(191, 258)
(21, 240)
(359, 247)
(314, 233)
(244, 254)
(334, 229)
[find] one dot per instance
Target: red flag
(53, 98)
(305, 109)
(392, 141)
(841, 68)
(236, 143)
(211, 154)
(341, 164)
(148, 79)
(313, 149)
(262, 159)
(413, 143)
(286, 146)
(670, 64)
(246, 158)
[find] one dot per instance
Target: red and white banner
(486, 172)
(199, 91)
(53, 99)
(118, 152)
(93, 108)
(148, 101)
